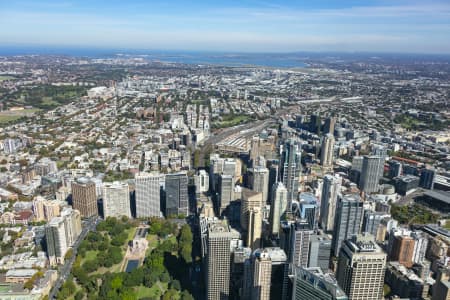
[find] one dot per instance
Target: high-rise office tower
(328, 127)
(226, 187)
(55, 236)
(61, 233)
(291, 168)
(219, 239)
(420, 246)
(201, 182)
(72, 223)
(273, 176)
(330, 190)
(395, 169)
(177, 201)
(51, 210)
(251, 217)
(355, 171)
(215, 169)
(372, 224)
(327, 151)
(84, 197)
(262, 271)
(260, 181)
(300, 236)
(319, 251)
(278, 206)
(260, 282)
(313, 284)
(403, 250)
(361, 267)
(314, 124)
(308, 209)
(254, 228)
(427, 178)
(348, 220)
(371, 173)
(441, 289)
(148, 195)
(116, 200)
(38, 208)
(240, 267)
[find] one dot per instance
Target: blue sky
(247, 26)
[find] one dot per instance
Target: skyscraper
(177, 201)
(262, 271)
(84, 197)
(327, 151)
(278, 206)
(226, 187)
(403, 250)
(251, 216)
(328, 127)
(314, 124)
(427, 178)
(55, 236)
(371, 173)
(372, 223)
(260, 181)
(361, 267)
(266, 277)
(148, 195)
(319, 252)
(116, 200)
(348, 220)
(330, 190)
(61, 233)
(219, 238)
(291, 168)
(254, 228)
(201, 182)
(38, 208)
(308, 209)
(300, 236)
(313, 284)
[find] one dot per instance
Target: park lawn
(114, 269)
(6, 119)
(48, 101)
(143, 292)
(230, 121)
(2, 77)
(90, 255)
(152, 241)
(131, 232)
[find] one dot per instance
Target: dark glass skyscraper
(177, 201)
(291, 168)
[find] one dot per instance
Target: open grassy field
(154, 291)
(9, 116)
(6, 77)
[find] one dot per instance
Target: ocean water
(280, 60)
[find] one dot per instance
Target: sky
(397, 26)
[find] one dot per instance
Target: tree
(69, 254)
(185, 240)
(170, 294)
(79, 295)
(164, 277)
(116, 283)
(175, 284)
(185, 295)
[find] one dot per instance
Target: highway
(64, 270)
